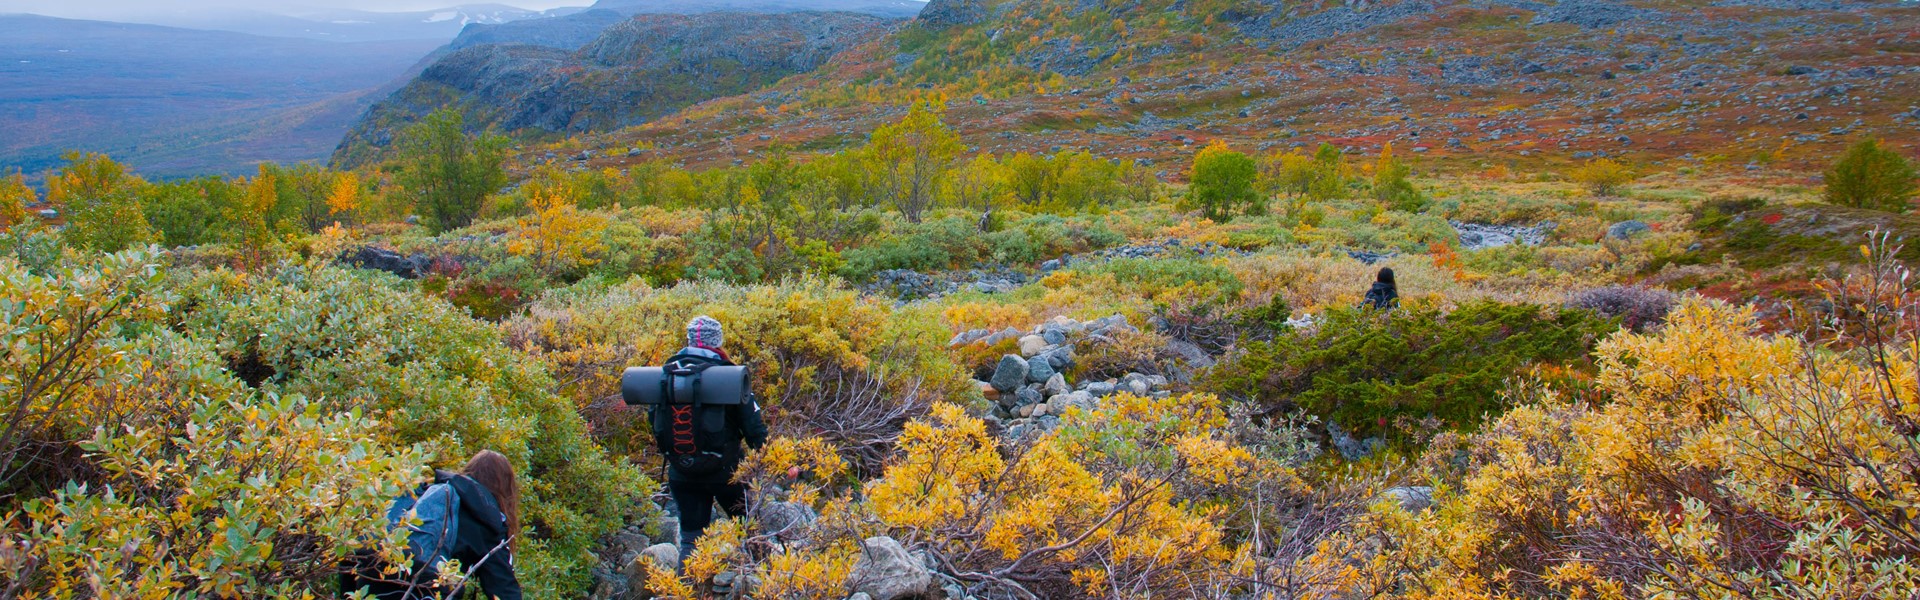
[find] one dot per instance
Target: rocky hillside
(635, 71)
(882, 8)
(1738, 83)
(565, 32)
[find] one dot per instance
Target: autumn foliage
(213, 392)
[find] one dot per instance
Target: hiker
(472, 517)
(703, 443)
(1383, 295)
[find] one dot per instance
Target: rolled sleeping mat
(718, 385)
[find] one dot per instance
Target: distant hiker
(1383, 295)
(472, 517)
(702, 443)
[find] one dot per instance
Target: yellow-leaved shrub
(824, 358)
(1728, 464)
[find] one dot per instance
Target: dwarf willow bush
(825, 359)
(1725, 464)
(958, 242)
(432, 376)
(1365, 369)
(137, 466)
(1141, 497)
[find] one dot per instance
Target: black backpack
(686, 430)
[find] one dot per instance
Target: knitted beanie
(704, 332)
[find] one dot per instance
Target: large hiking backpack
(683, 422)
(436, 507)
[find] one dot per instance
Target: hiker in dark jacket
(489, 529)
(722, 434)
(1383, 295)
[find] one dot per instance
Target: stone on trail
(886, 572)
(1004, 335)
(1059, 404)
(787, 519)
(1410, 498)
(1102, 389)
(1060, 358)
(1057, 385)
(1011, 373)
(967, 337)
(1032, 345)
(1039, 370)
(665, 556)
(1627, 229)
(1111, 325)
(1028, 395)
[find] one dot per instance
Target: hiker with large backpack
(472, 517)
(702, 442)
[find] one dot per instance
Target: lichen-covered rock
(1059, 404)
(1032, 345)
(1102, 389)
(886, 571)
(1039, 370)
(1410, 498)
(666, 556)
(1010, 374)
(786, 519)
(967, 337)
(1056, 385)
(1627, 229)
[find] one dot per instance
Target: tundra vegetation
(1604, 383)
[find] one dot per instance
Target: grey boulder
(1409, 498)
(1010, 374)
(1039, 370)
(1627, 229)
(886, 571)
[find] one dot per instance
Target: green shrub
(1367, 369)
(719, 255)
(434, 377)
(826, 361)
(1872, 177)
(207, 434)
(191, 212)
(1602, 176)
(631, 250)
(1147, 276)
(1392, 185)
(929, 246)
(448, 172)
(101, 201)
(1223, 183)
(1043, 237)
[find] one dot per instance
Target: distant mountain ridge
(566, 32)
(883, 8)
(574, 29)
(347, 25)
(634, 71)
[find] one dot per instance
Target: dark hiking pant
(696, 500)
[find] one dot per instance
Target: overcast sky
(118, 9)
